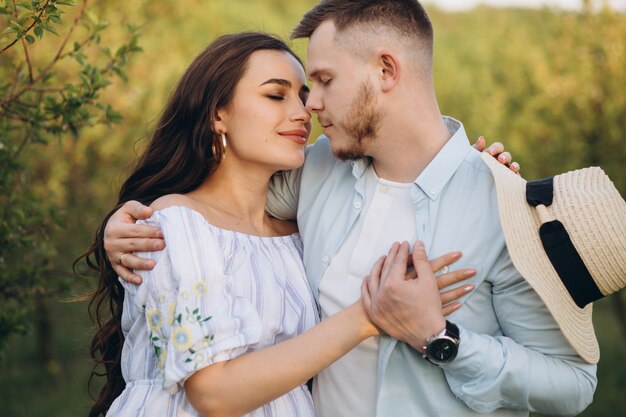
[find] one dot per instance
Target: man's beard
(360, 124)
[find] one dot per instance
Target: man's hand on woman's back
(122, 237)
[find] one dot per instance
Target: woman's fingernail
(468, 288)
(470, 272)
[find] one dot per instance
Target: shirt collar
(441, 168)
(439, 171)
(360, 165)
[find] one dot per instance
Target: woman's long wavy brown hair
(182, 152)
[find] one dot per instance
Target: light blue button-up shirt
(512, 357)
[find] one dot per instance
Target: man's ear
(389, 67)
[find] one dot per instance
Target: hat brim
(521, 232)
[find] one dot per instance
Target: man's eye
(275, 97)
(326, 81)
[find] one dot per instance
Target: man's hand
(122, 237)
(407, 305)
(497, 151)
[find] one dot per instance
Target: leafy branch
(17, 27)
(44, 93)
(56, 58)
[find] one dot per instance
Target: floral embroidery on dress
(208, 268)
(200, 288)
(184, 325)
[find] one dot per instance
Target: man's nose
(314, 102)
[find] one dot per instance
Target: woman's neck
(235, 199)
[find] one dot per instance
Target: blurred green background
(548, 83)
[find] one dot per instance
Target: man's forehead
(322, 38)
(317, 64)
(322, 50)
(325, 31)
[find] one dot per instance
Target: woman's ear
(389, 67)
(219, 125)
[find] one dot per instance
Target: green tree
(493, 66)
(549, 84)
(53, 70)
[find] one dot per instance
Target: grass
(31, 389)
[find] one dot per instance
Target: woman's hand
(362, 320)
(497, 151)
(446, 279)
(405, 302)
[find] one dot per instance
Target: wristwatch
(443, 347)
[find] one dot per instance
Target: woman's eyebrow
(278, 81)
(285, 83)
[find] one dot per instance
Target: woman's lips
(299, 136)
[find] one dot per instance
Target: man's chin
(345, 153)
(348, 154)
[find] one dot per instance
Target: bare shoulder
(171, 200)
(285, 227)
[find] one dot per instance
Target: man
(390, 169)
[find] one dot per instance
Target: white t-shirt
(348, 387)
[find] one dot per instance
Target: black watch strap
(453, 330)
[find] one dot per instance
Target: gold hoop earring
(223, 150)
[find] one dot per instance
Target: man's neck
(403, 154)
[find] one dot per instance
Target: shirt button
(383, 188)
(433, 191)
(325, 258)
(356, 204)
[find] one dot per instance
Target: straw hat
(573, 223)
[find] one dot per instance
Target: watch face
(442, 350)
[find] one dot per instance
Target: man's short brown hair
(407, 17)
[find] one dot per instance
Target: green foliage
(542, 81)
(552, 91)
(48, 90)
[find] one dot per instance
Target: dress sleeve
(194, 316)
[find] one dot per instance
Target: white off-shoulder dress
(214, 295)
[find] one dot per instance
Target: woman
(225, 324)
